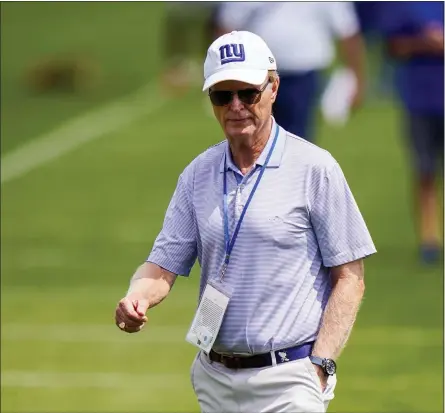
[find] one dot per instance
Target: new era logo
(232, 53)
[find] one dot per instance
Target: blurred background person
(379, 67)
(75, 171)
(302, 37)
(188, 28)
(414, 38)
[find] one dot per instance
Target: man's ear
(275, 87)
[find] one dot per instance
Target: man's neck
(246, 152)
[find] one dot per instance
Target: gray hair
(273, 75)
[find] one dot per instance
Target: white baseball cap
(241, 56)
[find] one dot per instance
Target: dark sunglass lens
(248, 96)
(220, 97)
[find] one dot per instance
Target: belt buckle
(231, 362)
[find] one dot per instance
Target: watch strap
(317, 360)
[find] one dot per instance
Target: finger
(141, 306)
(128, 310)
(121, 317)
(129, 329)
(133, 324)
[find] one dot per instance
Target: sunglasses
(247, 96)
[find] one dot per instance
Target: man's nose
(236, 105)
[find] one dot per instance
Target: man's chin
(240, 131)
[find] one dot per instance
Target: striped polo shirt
(302, 220)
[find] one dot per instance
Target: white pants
(288, 387)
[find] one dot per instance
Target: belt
(263, 360)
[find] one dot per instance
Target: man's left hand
(322, 376)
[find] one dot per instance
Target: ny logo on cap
(232, 53)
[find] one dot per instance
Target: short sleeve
(342, 18)
(175, 248)
(340, 229)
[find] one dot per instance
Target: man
(302, 36)
(280, 242)
(415, 39)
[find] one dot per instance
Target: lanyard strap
(229, 243)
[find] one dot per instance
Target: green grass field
(74, 229)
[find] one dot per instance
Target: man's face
(239, 119)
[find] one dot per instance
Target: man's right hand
(130, 314)
(149, 285)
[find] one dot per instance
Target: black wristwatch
(328, 365)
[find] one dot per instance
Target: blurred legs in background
(426, 134)
(189, 29)
(295, 106)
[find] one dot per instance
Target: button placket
(238, 203)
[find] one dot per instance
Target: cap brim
(253, 77)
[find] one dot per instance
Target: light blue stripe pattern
(302, 220)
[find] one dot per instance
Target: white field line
(54, 380)
(80, 130)
(175, 334)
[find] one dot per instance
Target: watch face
(330, 367)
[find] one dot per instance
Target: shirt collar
(275, 159)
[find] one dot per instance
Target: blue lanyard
(229, 243)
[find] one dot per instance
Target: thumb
(141, 306)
